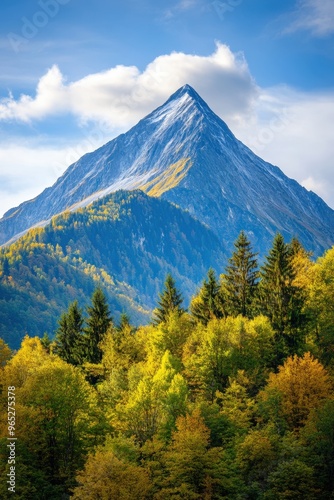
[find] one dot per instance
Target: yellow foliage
(29, 358)
(107, 478)
(303, 267)
(169, 179)
(303, 384)
(191, 434)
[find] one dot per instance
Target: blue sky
(74, 74)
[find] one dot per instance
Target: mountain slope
(126, 242)
(185, 153)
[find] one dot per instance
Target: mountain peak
(187, 91)
(187, 108)
(185, 153)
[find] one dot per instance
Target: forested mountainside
(127, 242)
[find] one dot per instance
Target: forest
(231, 398)
(126, 242)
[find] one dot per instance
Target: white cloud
(26, 171)
(316, 16)
(123, 94)
(293, 130)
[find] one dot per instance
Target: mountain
(183, 152)
(125, 242)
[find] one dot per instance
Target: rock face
(185, 153)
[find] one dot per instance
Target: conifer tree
(240, 280)
(124, 322)
(280, 300)
(208, 304)
(46, 342)
(276, 288)
(98, 321)
(170, 300)
(69, 338)
(296, 247)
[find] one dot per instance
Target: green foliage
(5, 354)
(222, 403)
(69, 339)
(226, 346)
(208, 304)
(98, 322)
(57, 420)
(280, 300)
(318, 439)
(292, 479)
(193, 470)
(125, 243)
(320, 304)
(240, 279)
(170, 300)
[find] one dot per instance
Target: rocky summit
(183, 152)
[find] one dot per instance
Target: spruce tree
(279, 299)
(170, 300)
(275, 287)
(69, 338)
(240, 279)
(98, 322)
(46, 342)
(209, 303)
(124, 322)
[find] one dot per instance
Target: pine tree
(170, 300)
(276, 285)
(208, 304)
(240, 280)
(124, 322)
(69, 338)
(296, 247)
(279, 299)
(46, 342)
(98, 322)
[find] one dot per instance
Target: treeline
(232, 399)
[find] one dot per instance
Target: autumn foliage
(206, 404)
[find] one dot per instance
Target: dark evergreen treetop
(69, 338)
(170, 300)
(280, 299)
(98, 321)
(276, 284)
(240, 280)
(208, 304)
(124, 321)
